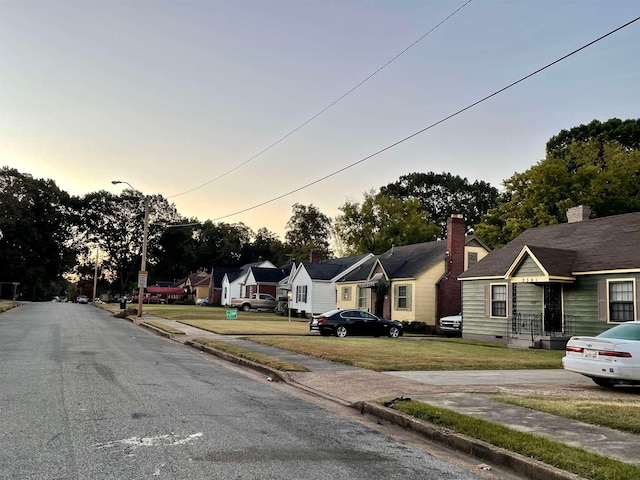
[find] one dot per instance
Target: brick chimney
(578, 214)
(315, 256)
(449, 289)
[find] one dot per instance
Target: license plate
(590, 353)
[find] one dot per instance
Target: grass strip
(262, 359)
(565, 457)
(164, 328)
(7, 305)
(249, 327)
(619, 413)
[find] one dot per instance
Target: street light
(142, 275)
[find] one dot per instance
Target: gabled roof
(219, 273)
(361, 272)
(200, 278)
(267, 275)
(595, 245)
(409, 261)
(330, 269)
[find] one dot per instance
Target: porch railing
(533, 324)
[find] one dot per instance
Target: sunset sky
(170, 95)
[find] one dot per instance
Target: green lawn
(7, 304)
(427, 353)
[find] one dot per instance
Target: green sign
(232, 314)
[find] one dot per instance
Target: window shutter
(409, 297)
(395, 297)
(509, 299)
(487, 300)
(602, 300)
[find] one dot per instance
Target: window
(363, 298)
(402, 297)
(472, 258)
(301, 294)
(346, 293)
(499, 301)
(621, 307)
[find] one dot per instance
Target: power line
(325, 108)
(429, 127)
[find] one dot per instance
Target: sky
(180, 97)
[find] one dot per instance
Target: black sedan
(354, 322)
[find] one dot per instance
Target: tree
(36, 242)
(441, 195)
(601, 174)
(222, 243)
(266, 246)
(115, 224)
(380, 222)
(308, 229)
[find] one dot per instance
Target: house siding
(477, 324)
(324, 297)
(528, 268)
(402, 315)
(351, 303)
(529, 297)
(480, 251)
(302, 279)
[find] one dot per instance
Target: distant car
(148, 298)
(451, 326)
(203, 302)
(83, 299)
(354, 322)
(609, 359)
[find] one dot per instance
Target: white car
(611, 358)
(83, 299)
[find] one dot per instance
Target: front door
(552, 307)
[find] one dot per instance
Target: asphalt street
(85, 395)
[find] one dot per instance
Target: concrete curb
(274, 374)
(515, 462)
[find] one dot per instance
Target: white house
(233, 282)
(313, 285)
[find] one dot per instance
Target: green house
(576, 278)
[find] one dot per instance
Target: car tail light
(611, 353)
(575, 349)
(322, 320)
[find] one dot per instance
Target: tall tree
(601, 174)
(443, 194)
(308, 229)
(115, 225)
(266, 246)
(222, 243)
(36, 243)
(380, 222)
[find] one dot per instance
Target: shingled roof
(599, 244)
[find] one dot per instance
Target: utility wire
(389, 147)
(325, 108)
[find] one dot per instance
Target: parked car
(148, 298)
(609, 359)
(83, 299)
(257, 301)
(451, 326)
(203, 302)
(354, 322)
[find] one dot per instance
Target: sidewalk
(463, 392)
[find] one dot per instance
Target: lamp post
(142, 274)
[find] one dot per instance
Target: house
(552, 282)
(262, 280)
(414, 283)
(234, 280)
(313, 284)
(217, 277)
(196, 284)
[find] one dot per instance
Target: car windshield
(629, 331)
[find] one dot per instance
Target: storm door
(552, 307)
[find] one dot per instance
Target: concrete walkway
(462, 391)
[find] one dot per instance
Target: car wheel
(341, 331)
(394, 332)
(246, 307)
(603, 382)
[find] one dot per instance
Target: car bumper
(596, 368)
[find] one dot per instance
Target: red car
(148, 298)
